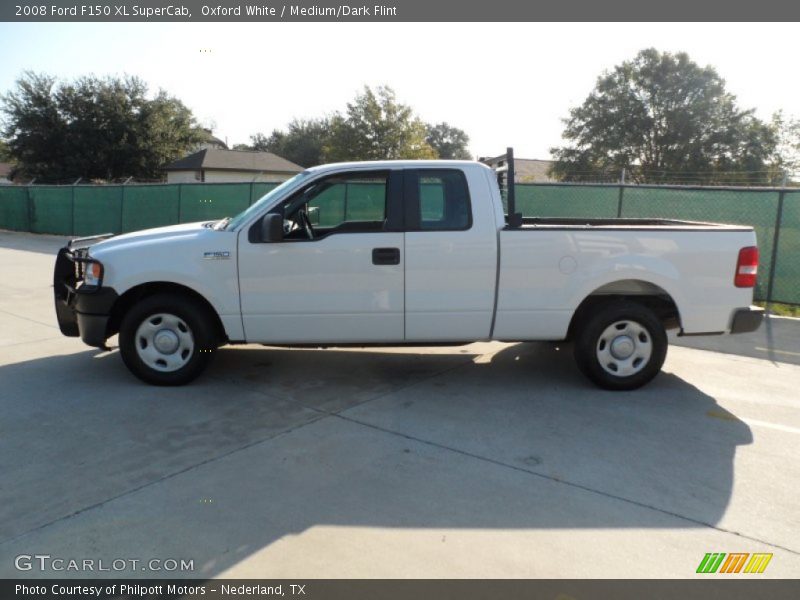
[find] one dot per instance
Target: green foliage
(377, 127)
(659, 113)
(5, 154)
(449, 142)
(303, 142)
(95, 128)
(787, 156)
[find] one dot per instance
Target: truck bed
(548, 266)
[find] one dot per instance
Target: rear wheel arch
(648, 294)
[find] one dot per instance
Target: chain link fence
(78, 210)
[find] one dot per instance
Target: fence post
(29, 206)
(621, 191)
(72, 214)
(775, 240)
(180, 201)
(346, 188)
(122, 205)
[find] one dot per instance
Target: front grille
(79, 263)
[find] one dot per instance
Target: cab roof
(397, 164)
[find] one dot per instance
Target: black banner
(348, 589)
(397, 10)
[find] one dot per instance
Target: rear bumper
(746, 320)
(79, 312)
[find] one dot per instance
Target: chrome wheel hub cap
(164, 342)
(624, 348)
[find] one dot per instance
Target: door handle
(386, 256)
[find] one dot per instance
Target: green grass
(782, 310)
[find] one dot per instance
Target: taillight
(746, 267)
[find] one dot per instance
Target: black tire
(190, 317)
(643, 331)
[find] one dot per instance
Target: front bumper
(80, 312)
(746, 320)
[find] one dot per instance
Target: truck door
(338, 274)
(451, 255)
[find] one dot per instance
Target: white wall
(213, 176)
(228, 176)
(183, 176)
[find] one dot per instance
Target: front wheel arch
(166, 339)
(138, 293)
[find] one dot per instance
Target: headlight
(92, 273)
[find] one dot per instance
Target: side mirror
(272, 228)
(313, 215)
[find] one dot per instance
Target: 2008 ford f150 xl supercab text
(406, 252)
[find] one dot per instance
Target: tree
(95, 128)
(662, 113)
(448, 142)
(377, 127)
(303, 142)
(787, 153)
(5, 154)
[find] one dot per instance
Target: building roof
(212, 141)
(234, 160)
(532, 170)
(526, 170)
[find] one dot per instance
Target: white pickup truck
(406, 252)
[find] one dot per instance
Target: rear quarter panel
(547, 272)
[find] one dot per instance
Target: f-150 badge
(217, 255)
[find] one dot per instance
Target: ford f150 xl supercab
(406, 252)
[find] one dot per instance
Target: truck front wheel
(167, 339)
(621, 346)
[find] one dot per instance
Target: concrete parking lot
(487, 460)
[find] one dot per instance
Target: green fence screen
(86, 210)
(51, 209)
(146, 206)
(96, 209)
(566, 201)
(14, 213)
(786, 283)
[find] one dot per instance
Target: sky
(505, 84)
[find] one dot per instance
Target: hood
(184, 230)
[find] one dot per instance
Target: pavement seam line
(28, 319)
(572, 484)
(380, 395)
(324, 414)
(58, 337)
(507, 465)
(321, 416)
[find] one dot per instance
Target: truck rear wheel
(167, 339)
(621, 345)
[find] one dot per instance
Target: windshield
(265, 200)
